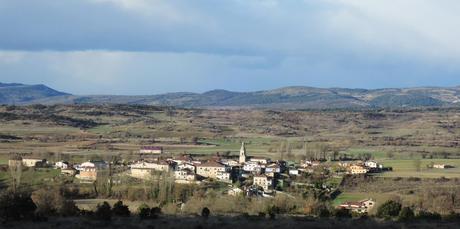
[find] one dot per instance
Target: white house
(61, 165)
(373, 164)
(252, 166)
(89, 170)
(33, 162)
(362, 206)
(261, 160)
(273, 168)
(230, 162)
(184, 175)
(309, 163)
(151, 150)
(224, 176)
(294, 172)
(235, 192)
(184, 166)
(442, 166)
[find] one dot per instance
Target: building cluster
(365, 167)
(360, 207)
(27, 161)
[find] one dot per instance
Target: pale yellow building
(143, 170)
(357, 169)
(211, 169)
(33, 162)
(263, 181)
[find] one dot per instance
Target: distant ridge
(297, 97)
(14, 93)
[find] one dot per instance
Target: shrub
(322, 211)
(273, 211)
(452, 216)
(342, 213)
(68, 208)
(155, 212)
(205, 212)
(16, 206)
(428, 215)
(103, 211)
(389, 209)
(143, 211)
(406, 214)
(45, 200)
(119, 209)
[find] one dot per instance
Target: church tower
(242, 154)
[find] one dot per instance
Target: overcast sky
(157, 46)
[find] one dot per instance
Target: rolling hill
(15, 93)
(282, 98)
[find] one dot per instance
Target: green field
(407, 168)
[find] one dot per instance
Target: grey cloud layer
(235, 44)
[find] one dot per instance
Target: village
(242, 174)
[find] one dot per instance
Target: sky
(140, 47)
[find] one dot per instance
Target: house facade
(210, 169)
(144, 169)
(261, 160)
(184, 175)
(89, 170)
(357, 169)
(33, 162)
(263, 181)
(363, 206)
(62, 165)
(253, 166)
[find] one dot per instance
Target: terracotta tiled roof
(211, 164)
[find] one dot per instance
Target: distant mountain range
(282, 98)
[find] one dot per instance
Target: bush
(46, 201)
(452, 216)
(273, 211)
(342, 213)
(428, 215)
(322, 211)
(103, 212)
(16, 206)
(155, 212)
(406, 214)
(143, 211)
(119, 209)
(68, 208)
(205, 212)
(389, 209)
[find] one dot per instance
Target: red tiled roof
(211, 164)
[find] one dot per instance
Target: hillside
(282, 98)
(26, 94)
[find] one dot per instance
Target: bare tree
(15, 166)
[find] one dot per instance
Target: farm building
(151, 150)
(363, 206)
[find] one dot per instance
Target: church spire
(242, 153)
